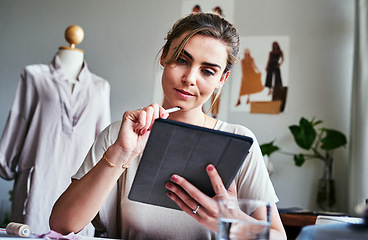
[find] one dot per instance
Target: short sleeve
(104, 140)
(252, 180)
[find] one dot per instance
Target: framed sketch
(259, 82)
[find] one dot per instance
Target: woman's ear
(162, 59)
(223, 79)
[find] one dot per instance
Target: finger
(192, 196)
(183, 189)
(133, 118)
(140, 119)
(150, 112)
(232, 190)
(163, 113)
(185, 206)
(216, 181)
(144, 118)
(155, 113)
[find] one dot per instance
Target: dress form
(43, 106)
(72, 58)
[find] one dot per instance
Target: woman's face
(275, 46)
(190, 81)
(246, 53)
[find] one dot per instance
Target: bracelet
(126, 165)
(107, 160)
(112, 164)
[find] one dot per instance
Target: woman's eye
(208, 72)
(181, 60)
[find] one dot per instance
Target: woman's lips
(184, 94)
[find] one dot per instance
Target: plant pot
(326, 196)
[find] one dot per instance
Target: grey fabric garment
(47, 136)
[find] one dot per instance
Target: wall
(122, 39)
(321, 53)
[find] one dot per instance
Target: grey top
(126, 219)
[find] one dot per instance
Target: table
(333, 231)
(294, 219)
(4, 235)
(293, 223)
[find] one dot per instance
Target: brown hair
(207, 24)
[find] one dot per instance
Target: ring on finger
(195, 211)
(222, 194)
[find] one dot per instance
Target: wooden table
(293, 223)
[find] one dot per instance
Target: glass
(326, 197)
(236, 223)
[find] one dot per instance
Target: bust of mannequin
(72, 58)
(71, 62)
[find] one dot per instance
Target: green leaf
(299, 159)
(333, 139)
(269, 148)
(317, 122)
(304, 134)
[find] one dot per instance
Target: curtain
(359, 118)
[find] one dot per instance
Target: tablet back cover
(186, 150)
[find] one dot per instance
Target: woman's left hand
(197, 204)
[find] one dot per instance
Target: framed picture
(259, 82)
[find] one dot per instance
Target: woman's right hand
(135, 128)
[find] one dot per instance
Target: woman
(251, 77)
(275, 59)
(197, 57)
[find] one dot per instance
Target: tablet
(186, 150)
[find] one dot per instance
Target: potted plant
(316, 143)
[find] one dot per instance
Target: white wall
(122, 39)
(321, 50)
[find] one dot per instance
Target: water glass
(235, 221)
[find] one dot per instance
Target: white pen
(171, 110)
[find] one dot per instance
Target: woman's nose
(190, 77)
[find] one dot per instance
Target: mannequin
(72, 58)
(58, 110)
